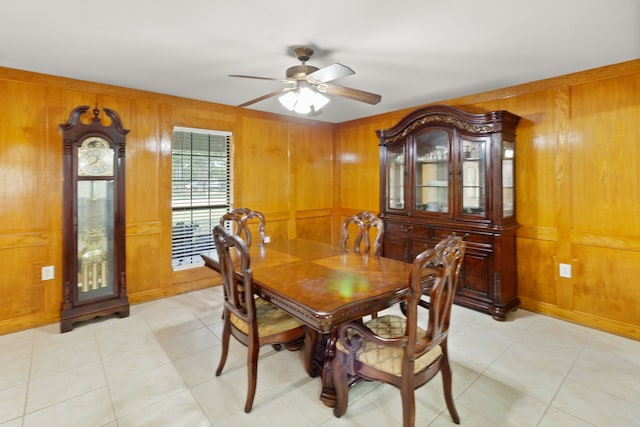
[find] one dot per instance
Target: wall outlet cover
(565, 271)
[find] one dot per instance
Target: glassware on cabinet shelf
(508, 198)
(395, 179)
(473, 177)
(432, 171)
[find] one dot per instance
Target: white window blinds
(201, 191)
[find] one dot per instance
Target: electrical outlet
(565, 271)
(48, 272)
(267, 239)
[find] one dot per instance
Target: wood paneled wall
(578, 190)
(578, 179)
(283, 167)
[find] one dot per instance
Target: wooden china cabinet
(443, 171)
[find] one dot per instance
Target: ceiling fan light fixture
(309, 83)
(288, 100)
(303, 100)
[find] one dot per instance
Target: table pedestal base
(319, 352)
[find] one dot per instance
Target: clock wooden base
(69, 317)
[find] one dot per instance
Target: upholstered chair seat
(271, 320)
(385, 358)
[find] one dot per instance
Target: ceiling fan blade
(254, 77)
(262, 98)
(358, 95)
(331, 72)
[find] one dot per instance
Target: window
(201, 191)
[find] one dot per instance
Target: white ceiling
(411, 52)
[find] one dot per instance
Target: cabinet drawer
(410, 230)
(417, 246)
(482, 239)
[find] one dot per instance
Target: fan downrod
(303, 53)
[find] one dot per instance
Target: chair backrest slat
(235, 270)
(364, 221)
(437, 271)
(238, 223)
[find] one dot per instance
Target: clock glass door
(95, 239)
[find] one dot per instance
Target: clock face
(95, 157)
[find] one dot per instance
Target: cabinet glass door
(508, 198)
(473, 177)
(395, 178)
(432, 171)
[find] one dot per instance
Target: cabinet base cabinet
(487, 281)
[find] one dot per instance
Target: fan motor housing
(298, 71)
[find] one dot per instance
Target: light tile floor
(156, 368)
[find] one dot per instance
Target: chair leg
(252, 371)
(408, 405)
(340, 383)
(226, 334)
(445, 370)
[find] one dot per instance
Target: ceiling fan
(307, 83)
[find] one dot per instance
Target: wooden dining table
(323, 286)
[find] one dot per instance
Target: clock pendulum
(93, 256)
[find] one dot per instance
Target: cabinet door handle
(406, 229)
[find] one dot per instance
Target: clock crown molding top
(79, 129)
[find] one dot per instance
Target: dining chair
(238, 223)
(394, 349)
(363, 222)
(251, 320)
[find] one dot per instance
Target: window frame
(201, 192)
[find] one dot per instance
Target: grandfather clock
(94, 277)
